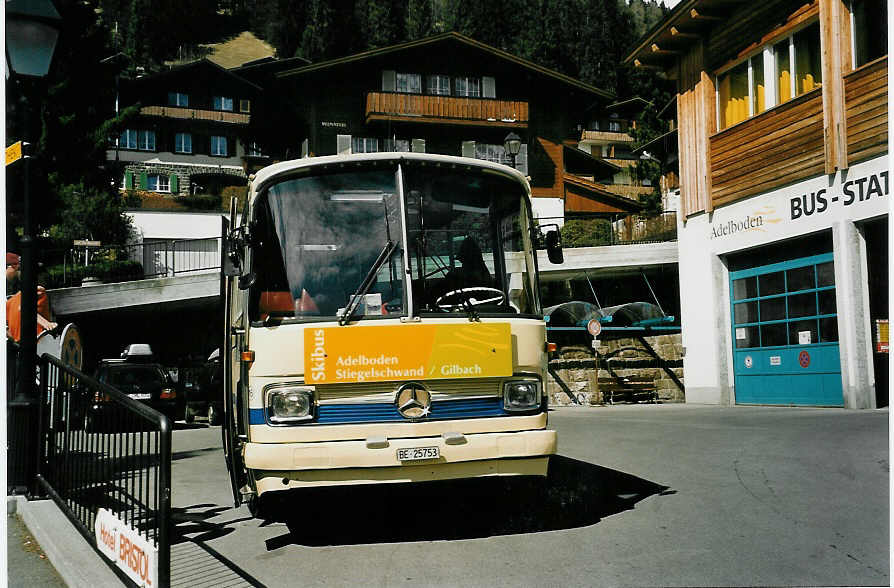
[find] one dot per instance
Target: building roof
(203, 63)
(242, 48)
(683, 26)
(450, 37)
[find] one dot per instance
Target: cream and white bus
(384, 325)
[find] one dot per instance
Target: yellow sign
(14, 152)
(335, 355)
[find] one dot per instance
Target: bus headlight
(290, 405)
(521, 395)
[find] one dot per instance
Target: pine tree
(420, 19)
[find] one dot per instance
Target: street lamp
(32, 29)
(512, 144)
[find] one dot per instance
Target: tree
(420, 19)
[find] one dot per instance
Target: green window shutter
(144, 181)
(175, 185)
(128, 180)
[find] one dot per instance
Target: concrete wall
(151, 224)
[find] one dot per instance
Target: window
(495, 153)
(788, 303)
(401, 145)
(178, 99)
(777, 73)
(223, 103)
(409, 83)
(129, 139)
(245, 106)
(466, 86)
(218, 145)
(364, 145)
(869, 22)
(183, 143)
(158, 183)
(438, 85)
(146, 140)
(614, 125)
(135, 139)
(254, 149)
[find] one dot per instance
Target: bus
(383, 325)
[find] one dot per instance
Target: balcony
(195, 114)
(418, 108)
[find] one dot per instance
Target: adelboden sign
(334, 355)
(857, 193)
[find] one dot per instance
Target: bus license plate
(140, 396)
(418, 453)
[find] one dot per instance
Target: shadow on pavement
(194, 563)
(575, 494)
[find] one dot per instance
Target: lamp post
(512, 144)
(32, 29)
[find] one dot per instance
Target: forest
(102, 40)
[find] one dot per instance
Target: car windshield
(318, 237)
(466, 236)
(132, 379)
(334, 241)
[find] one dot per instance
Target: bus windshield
(324, 243)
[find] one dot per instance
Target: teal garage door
(785, 333)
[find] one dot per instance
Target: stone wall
(591, 376)
(184, 173)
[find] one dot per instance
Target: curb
(72, 556)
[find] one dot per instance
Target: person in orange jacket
(14, 314)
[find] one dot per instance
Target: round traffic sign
(594, 327)
(804, 359)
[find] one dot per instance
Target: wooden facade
(866, 97)
(842, 121)
(420, 108)
(768, 150)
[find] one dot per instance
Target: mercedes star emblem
(413, 401)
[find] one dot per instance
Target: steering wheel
(465, 295)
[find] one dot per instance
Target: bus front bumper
(281, 466)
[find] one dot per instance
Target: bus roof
(270, 173)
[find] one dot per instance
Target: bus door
(231, 266)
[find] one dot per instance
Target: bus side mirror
(553, 240)
(232, 257)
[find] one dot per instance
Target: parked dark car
(206, 398)
(140, 378)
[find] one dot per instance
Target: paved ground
(27, 562)
(657, 495)
(650, 495)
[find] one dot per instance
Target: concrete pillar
(704, 316)
(854, 329)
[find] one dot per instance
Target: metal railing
(98, 448)
(140, 261)
(631, 229)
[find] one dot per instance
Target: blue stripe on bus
(387, 412)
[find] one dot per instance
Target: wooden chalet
(450, 94)
(782, 132)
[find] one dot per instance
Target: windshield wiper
(367, 282)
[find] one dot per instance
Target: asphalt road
(645, 495)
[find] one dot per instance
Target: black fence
(98, 448)
(633, 229)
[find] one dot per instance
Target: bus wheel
(188, 415)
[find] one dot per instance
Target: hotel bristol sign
(130, 551)
(857, 193)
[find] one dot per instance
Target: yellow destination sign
(14, 152)
(336, 355)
